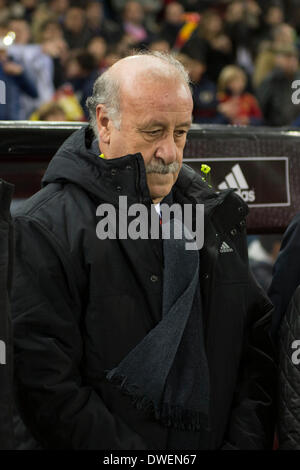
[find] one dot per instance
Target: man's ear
(103, 124)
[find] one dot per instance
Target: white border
(238, 159)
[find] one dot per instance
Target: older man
(128, 342)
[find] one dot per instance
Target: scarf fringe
(170, 416)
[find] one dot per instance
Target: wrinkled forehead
(162, 103)
(152, 83)
(155, 92)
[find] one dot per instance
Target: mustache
(161, 168)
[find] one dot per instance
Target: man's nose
(167, 150)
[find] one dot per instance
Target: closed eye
(153, 133)
(180, 132)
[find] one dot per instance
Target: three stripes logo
(225, 248)
(236, 180)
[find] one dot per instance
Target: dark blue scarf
(167, 372)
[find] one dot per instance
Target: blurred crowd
(242, 55)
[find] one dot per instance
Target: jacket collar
(77, 161)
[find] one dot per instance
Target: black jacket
(289, 377)
(286, 274)
(6, 252)
(81, 304)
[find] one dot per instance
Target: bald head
(154, 63)
(132, 76)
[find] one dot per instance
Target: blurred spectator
(63, 107)
(150, 9)
(111, 57)
(4, 11)
(263, 253)
(76, 31)
(29, 7)
(242, 22)
(133, 22)
(204, 91)
(49, 10)
(49, 30)
(18, 9)
(53, 44)
(58, 8)
(52, 112)
(21, 28)
(282, 35)
(98, 25)
(16, 82)
(275, 92)
(236, 104)
(209, 44)
(81, 72)
(37, 65)
(263, 66)
(273, 17)
(160, 45)
(98, 48)
(242, 19)
(173, 22)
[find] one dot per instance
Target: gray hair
(106, 89)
